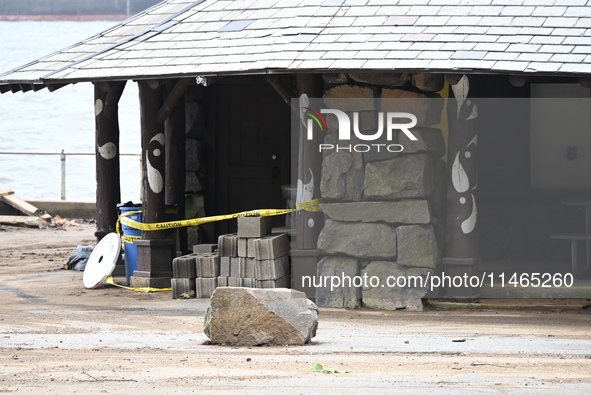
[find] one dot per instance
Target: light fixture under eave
(585, 82)
(517, 80)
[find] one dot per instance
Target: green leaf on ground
(318, 368)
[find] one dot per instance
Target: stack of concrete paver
(197, 272)
(252, 258)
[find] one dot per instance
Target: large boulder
(254, 317)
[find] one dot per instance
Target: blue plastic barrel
(130, 248)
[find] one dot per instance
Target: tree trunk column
(308, 224)
(154, 250)
(462, 255)
(174, 126)
(108, 191)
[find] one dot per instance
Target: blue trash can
(134, 212)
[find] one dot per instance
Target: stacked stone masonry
(384, 210)
(252, 258)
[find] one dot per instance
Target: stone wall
(385, 211)
(195, 172)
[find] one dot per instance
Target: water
(46, 121)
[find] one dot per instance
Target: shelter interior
(248, 152)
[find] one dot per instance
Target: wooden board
(21, 220)
(4, 192)
(24, 207)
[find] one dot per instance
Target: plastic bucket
(130, 248)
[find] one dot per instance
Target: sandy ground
(57, 336)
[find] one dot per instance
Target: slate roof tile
(582, 49)
(347, 64)
(362, 11)
(568, 58)
(501, 56)
(510, 66)
(547, 40)
(556, 48)
(472, 29)
(432, 20)
(393, 10)
(517, 11)
(544, 67)
(486, 10)
(528, 21)
(379, 64)
(548, 11)
(456, 46)
(534, 57)
(516, 39)
(491, 46)
(394, 45)
(435, 54)
(576, 68)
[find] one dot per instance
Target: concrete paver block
(250, 247)
(237, 267)
(228, 245)
(249, 282)
(204, 287)
(271, 247)
(243, 247)
(184, 266)
(181, 286)
(234, 282)
(272, 269)
(249, 268)
(208, 265)
(254, 226)
(225, 266)
(222, 281)
(197, 248)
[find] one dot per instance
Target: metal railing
(62, 156)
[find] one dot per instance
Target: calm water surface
(46, 121)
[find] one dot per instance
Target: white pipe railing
(62, 156)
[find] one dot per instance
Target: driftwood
(21, 220)
(8, 196)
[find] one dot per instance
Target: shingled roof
(208, 37)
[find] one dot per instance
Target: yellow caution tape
(130, 239)
(311, 205)
(110, 281)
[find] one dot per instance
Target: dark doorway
(250, 132)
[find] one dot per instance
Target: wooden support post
(308, 224)
(174, 127)
(462, 252)
(154, 250)
(108, 189)
(153, 155)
